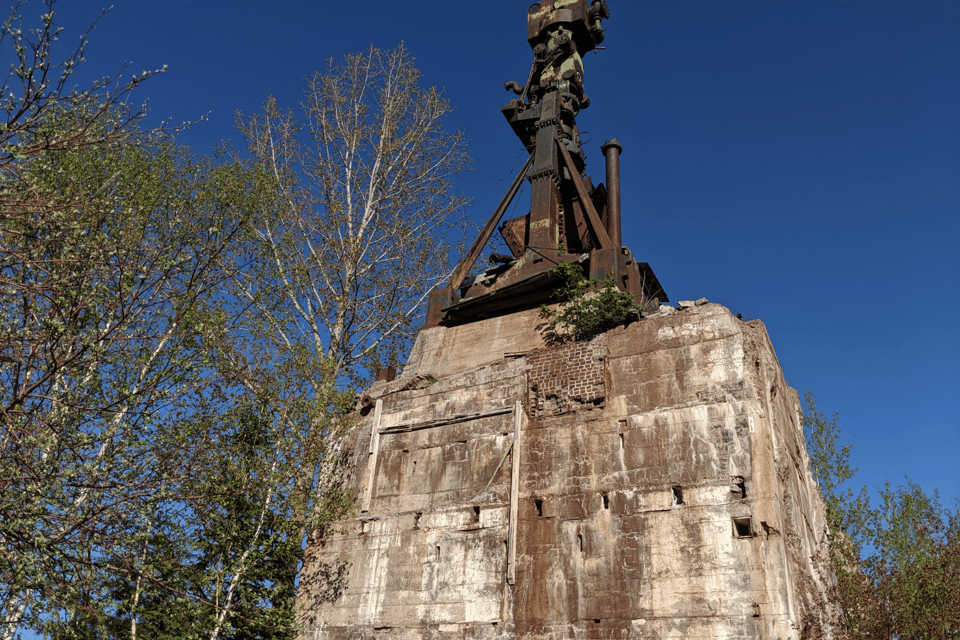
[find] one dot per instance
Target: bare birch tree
(358, 226)
(364, 214)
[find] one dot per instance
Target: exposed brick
(565, 378)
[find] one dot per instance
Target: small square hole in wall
(739, 487)
(677, 492)
(742, 527)
(476, 514)
(606, 501)
(538, 505)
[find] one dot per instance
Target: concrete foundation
(650, 483)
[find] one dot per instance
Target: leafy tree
(175, 335)
(105, 286)
(132, 485)
(36, 85)
(897, 565)
(224, 573)
(115, 435)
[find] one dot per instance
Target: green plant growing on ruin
(589, 308)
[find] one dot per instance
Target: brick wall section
(563, 379)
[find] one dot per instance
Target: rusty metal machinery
(569, 219)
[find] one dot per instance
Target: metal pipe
(611, 150)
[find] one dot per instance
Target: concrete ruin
(650, 483)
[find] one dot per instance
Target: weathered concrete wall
(662, 490)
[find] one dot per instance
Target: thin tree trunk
(13, 614)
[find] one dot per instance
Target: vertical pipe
(611, 150)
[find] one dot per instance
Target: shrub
(589, 308)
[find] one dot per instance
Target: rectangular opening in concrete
(476, 514)
(743, 527)
(677, 492)
(739, 487)
(580, 538)
(621, 441)
(538, 505)
(606, 501)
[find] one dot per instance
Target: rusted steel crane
(569, 219)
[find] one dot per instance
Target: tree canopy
(897, 563)
(179, 335)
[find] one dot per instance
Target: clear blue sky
(798, 162)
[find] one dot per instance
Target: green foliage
(830, 464)
(589, 308)
(193, 567)
(178, 334)
(158, 471)
(897, 565)
(104, 300)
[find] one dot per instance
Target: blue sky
(798, 162)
